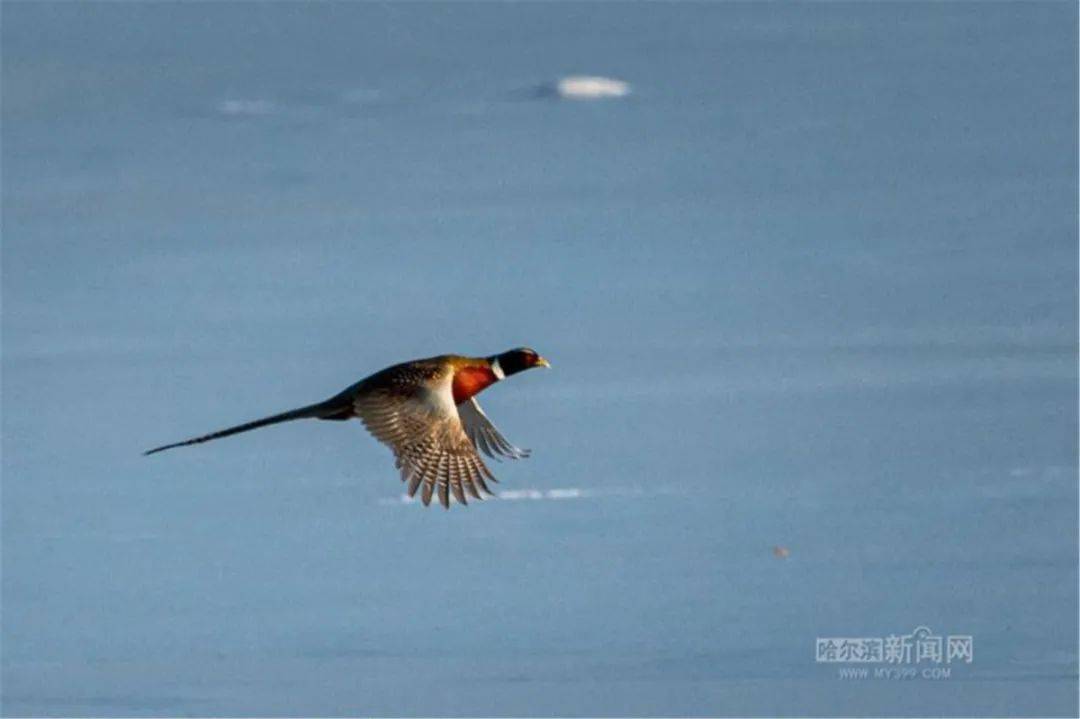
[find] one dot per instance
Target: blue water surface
(810, 289)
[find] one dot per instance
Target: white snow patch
(590, 87)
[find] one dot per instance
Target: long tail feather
(332, 408)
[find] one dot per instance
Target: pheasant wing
(483, 434)
(422, 428)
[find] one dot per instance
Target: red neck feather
(469, 381)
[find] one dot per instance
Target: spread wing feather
(423, 429)
(483, 434)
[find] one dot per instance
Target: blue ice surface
(812, 285)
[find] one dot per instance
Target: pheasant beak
(541, 362)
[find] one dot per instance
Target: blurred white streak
(586, 87)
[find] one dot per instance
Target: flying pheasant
(426, 412)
